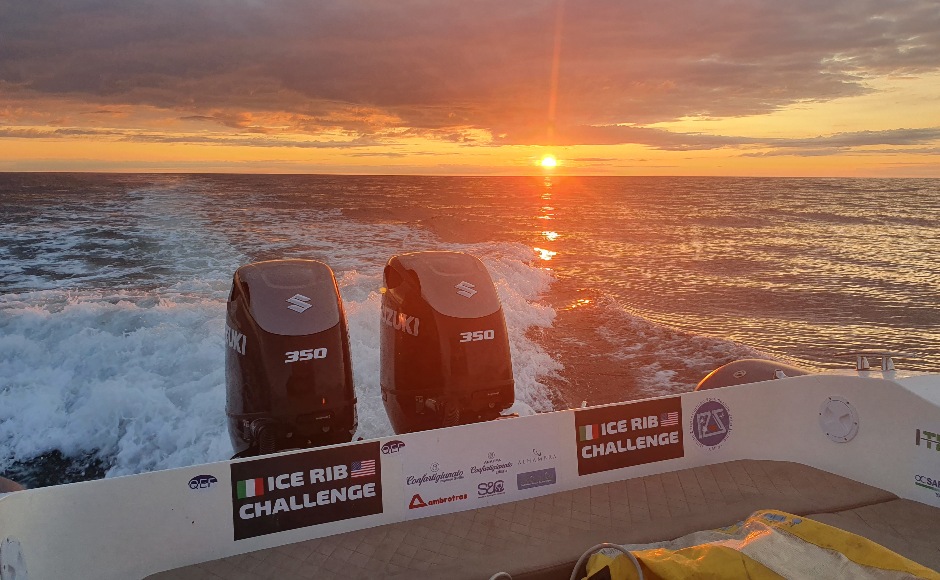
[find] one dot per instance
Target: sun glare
(549, 161)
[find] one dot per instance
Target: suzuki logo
(299, 303)
(465, 289)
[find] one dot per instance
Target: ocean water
(113, 290)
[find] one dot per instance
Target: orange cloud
(369, 73)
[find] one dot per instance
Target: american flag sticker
(588, 432)
(250, 488)
(362, 468)
(669, 419)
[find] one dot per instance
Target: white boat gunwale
(108, 528)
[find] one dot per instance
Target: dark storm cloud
(865, 138)
(619, 134)
(142, 137)
(672, 141)
(438, 68)
(46, 134)
(842, 142)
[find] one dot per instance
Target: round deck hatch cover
(838, 419)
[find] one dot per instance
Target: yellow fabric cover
(769, 544)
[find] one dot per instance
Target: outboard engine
(444, 349)
(288, 372)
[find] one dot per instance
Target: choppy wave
(113, 290)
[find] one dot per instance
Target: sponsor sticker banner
(442, 473)
(630, 434)
(276, 494)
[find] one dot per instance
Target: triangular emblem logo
(416, 502)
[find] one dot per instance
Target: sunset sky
(613, 87)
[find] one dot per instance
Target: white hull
(132, 527)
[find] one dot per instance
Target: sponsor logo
(628, 434)
(491, 488)
(711, 423)
(400, 321)
(417, 502)
(298, 303)
(275, 494)
(235, 340)
(537, 457)
(435, 476)
(927, 439)
(202, 482)
(465, 289)
(537, 478)
(931, 483)
(493, 464)
(393, 446)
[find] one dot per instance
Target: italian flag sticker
(588, 432)
(250, 488)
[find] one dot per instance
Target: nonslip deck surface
(542, 537)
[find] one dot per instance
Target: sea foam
(136, 378)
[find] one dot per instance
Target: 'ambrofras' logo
(275, 494)
(628, 434)
(418, 502)
(711, 423)
(435, 476)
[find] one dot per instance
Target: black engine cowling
(444, 346)
(288, 371)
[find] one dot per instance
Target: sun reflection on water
(545, 254)
(547, 212)
(580, 302)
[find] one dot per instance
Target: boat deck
(543, 537)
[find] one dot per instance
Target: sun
(548, 162)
